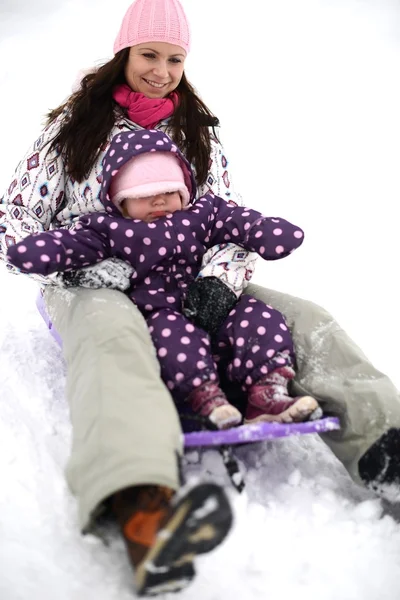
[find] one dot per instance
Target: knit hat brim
(148, 39)
(152, 189)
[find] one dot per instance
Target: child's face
(153, 207)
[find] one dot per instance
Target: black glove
(208, 302)
(112, 273)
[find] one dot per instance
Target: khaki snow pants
(125, 427)
(333, 369)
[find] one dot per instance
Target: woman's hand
(111, 273)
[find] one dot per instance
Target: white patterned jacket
(42, 196)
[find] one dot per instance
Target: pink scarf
(146, 112)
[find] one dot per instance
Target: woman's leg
(332, 368)
(126, 430)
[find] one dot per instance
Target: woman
(126, 433)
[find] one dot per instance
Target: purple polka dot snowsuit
(166, 255)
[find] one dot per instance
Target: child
(152, 221)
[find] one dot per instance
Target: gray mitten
(112, 273)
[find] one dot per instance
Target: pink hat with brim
(149, 174)
(154, 21)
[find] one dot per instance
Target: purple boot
(269, 400)
(208, 400)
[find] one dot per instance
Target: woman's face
(155, 68)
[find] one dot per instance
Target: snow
(308, 97)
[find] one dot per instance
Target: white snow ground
(308, 96)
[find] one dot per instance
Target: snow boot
(208, 400)
(164, 531)
(269, 400)
(379, 467)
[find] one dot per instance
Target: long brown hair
(90, 116)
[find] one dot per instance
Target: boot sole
(199, 523)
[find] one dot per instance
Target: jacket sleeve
(57, 251)
(271, 237)
(35, 194)
(219, 180)
(231, 264)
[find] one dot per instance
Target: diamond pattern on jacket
(10, 240)
(12, 187)
(59, 199)
(210, 179)
(225, 177)
(16, 213)
(38, 209)
(25, 227)
(33, 161)
(18, 200)
(39, 143)
(25, 181)
(51, 169)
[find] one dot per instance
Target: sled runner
(198, 434)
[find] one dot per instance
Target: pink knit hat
(154, 21)
(149, 174)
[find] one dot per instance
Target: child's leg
(256, 339)
(188, 368)
(262, 359)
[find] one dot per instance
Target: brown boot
(163, 532)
